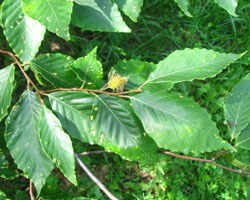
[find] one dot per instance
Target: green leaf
(22, 139)
(189, 64)
(131, 8)
(137, 72)
(3, 196)
(5, 171)
(243, 140)
(98, 16)
(54, 14)
(183, 4)
(228, 5)
(57, 144)
(55, 69)
(6, 89)
(88, 68)
(119, 130)
(22, 32)
(74, 112)
(177, 123)
(237, 106)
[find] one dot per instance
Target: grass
(161, 29)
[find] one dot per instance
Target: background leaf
(97, 15)
(74, 112)
(243, 140)
(54, 14)
(177, 123)
(189, 64)
(22, 139)
(88, 68)
(57, 144)
(183, 4)
(228, 5)
(55, 69)
(22, 32)
(3, 196)
(118, 130)
(6, 89)
(5, 171)
(131, 8)
(237, 106)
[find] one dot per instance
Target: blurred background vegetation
(161, 29)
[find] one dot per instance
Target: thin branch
(31, 192)
(90, 90)
(91, 152)
(94, 179)
(219, 155)
(206, 161)
(24, 73)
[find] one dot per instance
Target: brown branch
(91, 90)
(206, 161)
(94, 179)
(24, 73)
(30, 192)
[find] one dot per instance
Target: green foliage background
(161, 29)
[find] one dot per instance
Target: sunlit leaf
(22, 139)
(177, 123)
(228, 5)
(57, 144)
(183, 4)
(22, 32)
(6, 88)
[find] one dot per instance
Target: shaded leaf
(22, 139)
(5, 171)
(57, 144)
(189, 64)
(237, 106)
(243, 140)
(54, 14)
(3, 196)
(22, 32)
(55, 69)
(6, 89)
(228, 5)
(183, 4)
(131, 8)
(177, 123)
(88, 68)
(74, 112)
(118, 130)
(98, 15)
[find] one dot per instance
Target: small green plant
(135, 113)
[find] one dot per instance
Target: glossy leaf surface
(6, 88)
(98, 15)
(131, 8)
(22, 139)
(228, 5)
(189, 64)
(55, 69)
(183, 4)
(88, 68)
(74, 111)
(55, 15)
(57, 144)
(177, 123)
(22, 32)
(237, 106)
